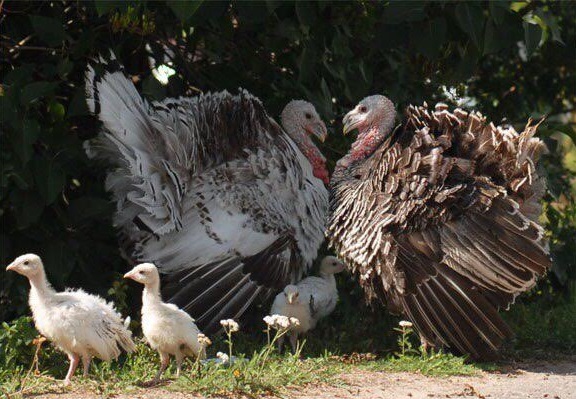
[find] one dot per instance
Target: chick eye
(26, 263)
(363, 109)
(308, 116)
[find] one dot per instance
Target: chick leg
(164, 361)
(74, 360)
(179, 359)
(86, 359)
(294, 341)
(281, 344)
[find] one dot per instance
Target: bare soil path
(542, 379)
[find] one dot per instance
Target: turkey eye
(26, 263)
(308, 116)
(363, 109)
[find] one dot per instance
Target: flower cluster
(230, 325)
(405, 324)
(204, 340)
(280, 322)
(224, 358)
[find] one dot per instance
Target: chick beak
(130, 275)
(291, 298)
(11, 266)
(340, 267)
(349, 122)
(318, 129)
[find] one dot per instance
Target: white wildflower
(405, 323)
(282, 322)
(269, 320)
(230, 325)
(224, 358)
(294, 322)
(204, 340)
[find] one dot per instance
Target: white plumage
(169, 330)
(310, 300)
(229, 205)
(80, 324)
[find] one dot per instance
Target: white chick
(80, 324)
(168, 330)
(310, 300)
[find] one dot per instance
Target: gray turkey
(229, 205)
(438, 219)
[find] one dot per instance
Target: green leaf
(22, 140)
(498, 37)
(49, 178)
(532, 37)
(19, 75)
(399, 11)
(65, 67)
(184, 10)
(35, 91)
(568, 130)
(89, 207)
(78, 104)
(428, 37)
(49, 30)
(29, 208)
(306, 12)
(471, 20)
(105, 6)
(306, 63)
(551, 22)
(498, 10)
(466, 67)
(57, 110)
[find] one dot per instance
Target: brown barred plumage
(439, 219)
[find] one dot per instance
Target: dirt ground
(552, 380)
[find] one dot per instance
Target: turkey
(312, 299)
(438, 219)
(229, 205)
(81, 325)
(169, 330)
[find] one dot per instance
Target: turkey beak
(318, 129)
(11, 266)
(350, 122)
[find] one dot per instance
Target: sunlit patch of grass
(436, 364)
(260, 369)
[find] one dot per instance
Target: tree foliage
(510, 60)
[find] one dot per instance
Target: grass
(265, 371)
(337, 346)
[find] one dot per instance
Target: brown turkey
(438, 219)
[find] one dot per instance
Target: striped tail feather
(448, 310)
(227, 288)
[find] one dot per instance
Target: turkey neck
(151, 294)
(314, 156)
(368, 141)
